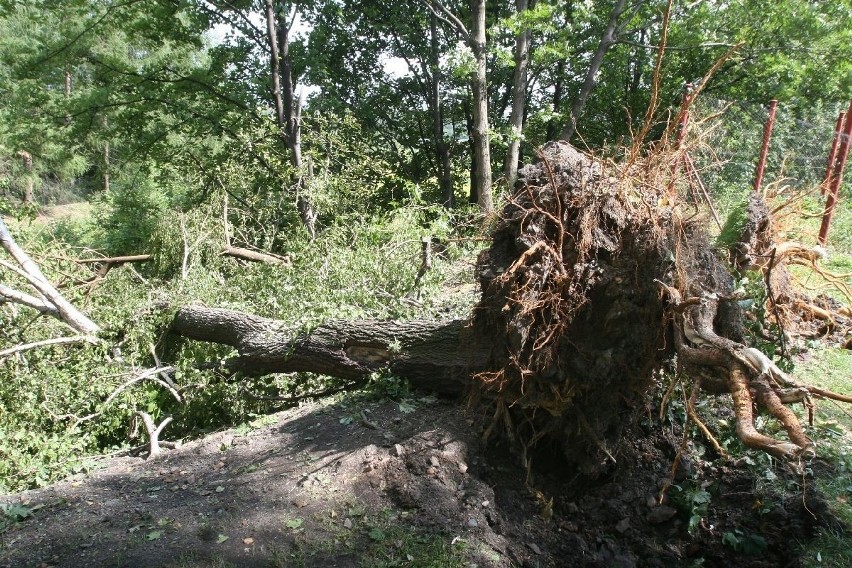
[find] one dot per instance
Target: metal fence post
(832, 155)
(836, 177)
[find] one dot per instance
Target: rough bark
(433, 355)
(442, 150)
(479, 88)
(519, 91)
(591, 80)
(288, 107)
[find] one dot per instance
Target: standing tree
(288, 107)
(519, 92)
(607, 40)
(475, 40)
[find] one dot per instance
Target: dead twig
(153, 431)
(45, 342)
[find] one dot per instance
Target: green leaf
(294, 523)
(153, 535)
(377, 534)
(221, 538)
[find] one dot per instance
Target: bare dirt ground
(361, 483)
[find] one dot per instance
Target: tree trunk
(479, 88)
(433, 355)
(106, 165)
(288, 107)
(28, 194)
(442, 152)
(473, 193)
(519, 91)
(591, 80)
(556, 101)
(53, 303)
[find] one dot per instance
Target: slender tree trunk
(67, 93)
(288, 108)
(556, 102)
(479, 88)
(590, 81)
(519, 91)
(28, 194)
(442, 152)
(473, 195)
(106, 157)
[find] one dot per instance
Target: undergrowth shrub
(53, 401)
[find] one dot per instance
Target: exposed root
(572, 306)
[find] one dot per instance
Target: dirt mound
(325, 486)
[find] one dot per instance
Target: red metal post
(764, 150)
(832, 155)
(836, 177)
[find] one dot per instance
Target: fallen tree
(597, 275)
(51, 302)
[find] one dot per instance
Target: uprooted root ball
(597, 275)
(570, 302)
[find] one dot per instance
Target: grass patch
(831, 369)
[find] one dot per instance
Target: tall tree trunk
(473, 194)
(591, 80)
(479, 88)
(287, 107)
(28, 194)
(519, 91)
(106, 157)
(442, 151)
(67, 94)
(556, 102)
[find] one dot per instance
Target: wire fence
(725, 138)
(728, 137)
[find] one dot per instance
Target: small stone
(622, 525)
(661, 514)
(462, 467)
(569, 526)
(398, 450)
(471, 522)
(434, 460)
(534, 547)
(347, 523)
(300, 502)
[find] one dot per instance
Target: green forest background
(339, 134)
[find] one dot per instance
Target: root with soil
(583, 303)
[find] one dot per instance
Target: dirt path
(369, 484)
